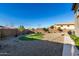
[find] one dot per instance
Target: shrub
(52, 27)
(45, 29)
(76, 39)
(59, 29)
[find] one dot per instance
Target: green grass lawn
(76, 39)
(36, 36)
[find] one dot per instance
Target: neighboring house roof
(6, 27)
(68, 23)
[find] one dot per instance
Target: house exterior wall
(77, 21)
(69, 27)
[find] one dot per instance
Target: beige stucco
(70, 27)
(77, 22)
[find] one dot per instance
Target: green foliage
(21, 28)
(45, 29)
(76, 39)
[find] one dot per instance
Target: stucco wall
(77, 22)
(12, 32)
(8, 32)
(70, 27)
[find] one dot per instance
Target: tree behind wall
(21, 28)
(45, 29)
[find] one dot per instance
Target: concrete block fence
(8, 32)
(12, 32)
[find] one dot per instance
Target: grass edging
(36, 36)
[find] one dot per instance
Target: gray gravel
(15, 47)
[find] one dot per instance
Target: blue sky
(35, 14)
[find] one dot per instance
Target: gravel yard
(54, 37)
(50, 45)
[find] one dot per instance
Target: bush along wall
(76, 40)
